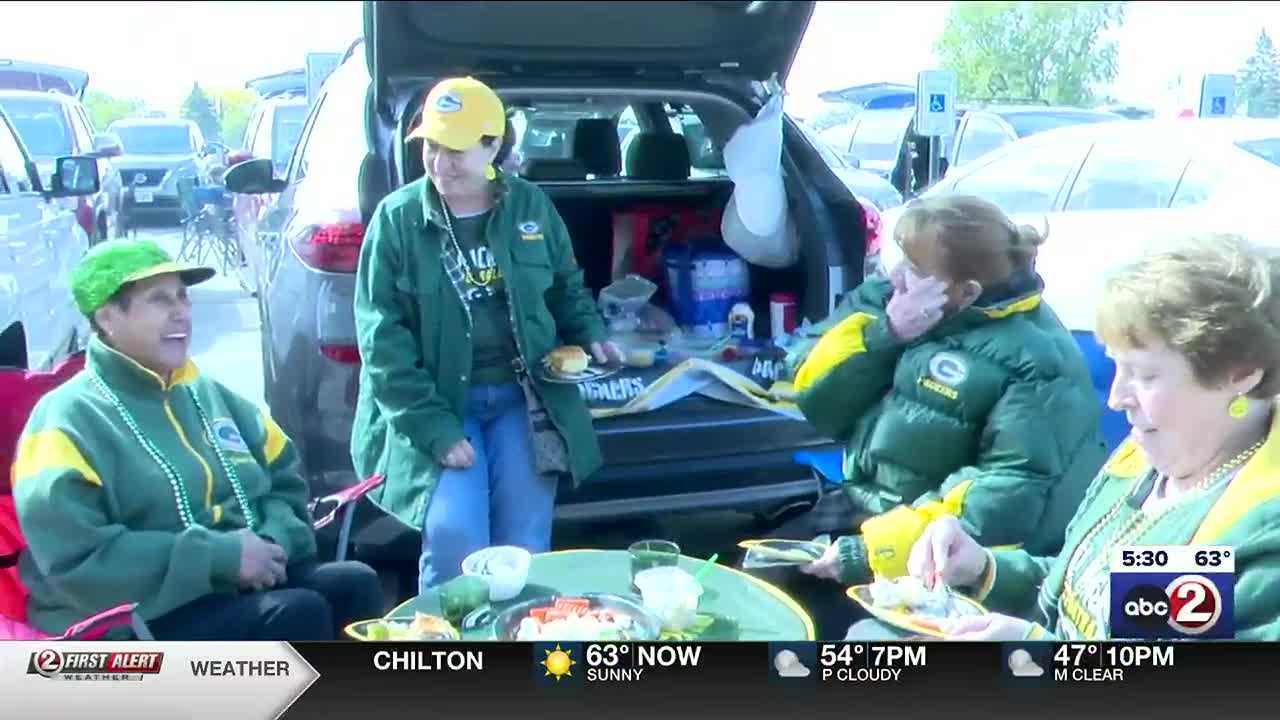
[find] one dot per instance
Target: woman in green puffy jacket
(956, 391)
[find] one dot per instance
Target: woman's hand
(915, 307)
(987, 628)
(460, 457)
(827, 566)
(262, 564)
(607, 353)
(946, 551)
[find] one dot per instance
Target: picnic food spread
(574, 619)
(909, 595)
(422, 627)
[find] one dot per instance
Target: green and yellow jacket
(414, 332)
(1243, 514)
(100, 516)
(991, 416)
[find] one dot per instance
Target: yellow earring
(1239, 407)
(490, 173)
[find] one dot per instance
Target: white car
(1105, 191)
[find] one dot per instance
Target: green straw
(706, 567)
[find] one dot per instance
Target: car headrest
(553, 169)
(658, 156)
(596, 144)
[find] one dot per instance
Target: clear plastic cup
(670, 593)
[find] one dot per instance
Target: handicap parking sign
(938, 102)
(1219, 105)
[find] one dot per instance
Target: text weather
(869, 662)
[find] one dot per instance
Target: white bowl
(672, 594)
(504, 567)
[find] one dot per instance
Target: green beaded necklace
(180, 495)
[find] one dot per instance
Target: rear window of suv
(155, 139)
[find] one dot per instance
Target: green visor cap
(111, 265)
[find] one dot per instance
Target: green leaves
(1260, 79)
(1023, 51)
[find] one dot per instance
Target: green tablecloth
(741, 606)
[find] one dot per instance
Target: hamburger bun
(568, 360)
(641, 358)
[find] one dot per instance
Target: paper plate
(397, 626)
(910, 622)
(593, 372)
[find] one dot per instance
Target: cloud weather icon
(789, 666)
(1021, 664)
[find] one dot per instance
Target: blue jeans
(499, 500)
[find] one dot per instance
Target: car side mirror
(254, 177)
(107, 145)
(75, 176)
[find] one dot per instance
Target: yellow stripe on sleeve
(275, 441)
(839, 344)
(49, 450)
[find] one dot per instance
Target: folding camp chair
(22, 390)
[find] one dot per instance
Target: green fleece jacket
(991, 416)
(414, 332)
(100, 516)
(1244, 515)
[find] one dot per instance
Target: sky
(156, 49)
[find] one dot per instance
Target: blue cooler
(704, 285)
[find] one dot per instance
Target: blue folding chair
(827, 465)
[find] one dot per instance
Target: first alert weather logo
(558, 662)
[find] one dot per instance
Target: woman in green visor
(142, 481)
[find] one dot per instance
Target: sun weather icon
(558, 663)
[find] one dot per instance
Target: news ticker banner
(141, 681)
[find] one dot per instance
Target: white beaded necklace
(182, 499)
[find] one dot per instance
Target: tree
(1054, 52)
(105, 109)
(199, 109)
(235, 105)
(1260, 79)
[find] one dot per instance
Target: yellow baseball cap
(460, 111)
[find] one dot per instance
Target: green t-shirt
(493, 346)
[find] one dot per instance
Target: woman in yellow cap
(467, 280)
(142, 481)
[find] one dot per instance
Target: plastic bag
(622, 301)
(756, 222)
(774, 552)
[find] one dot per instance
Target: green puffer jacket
(414, 334)
(991, 416)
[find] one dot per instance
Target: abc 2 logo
(1149, 606)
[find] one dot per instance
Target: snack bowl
(671, 594)
(504, 567)
(635, 622)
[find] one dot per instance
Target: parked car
(276, 122)
(43, 103)
(40, 243)
(697, 453)
(1106, 191)
(886, 141)
(158, 151)
(985, 129)
(866, 185)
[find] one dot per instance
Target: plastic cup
(672, 594)
(648, 554)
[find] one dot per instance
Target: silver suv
(40, 242)
(158, 151)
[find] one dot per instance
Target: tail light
(332, 247)
(875, 231)
(345, 354)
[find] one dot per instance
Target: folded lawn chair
(21, 391)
